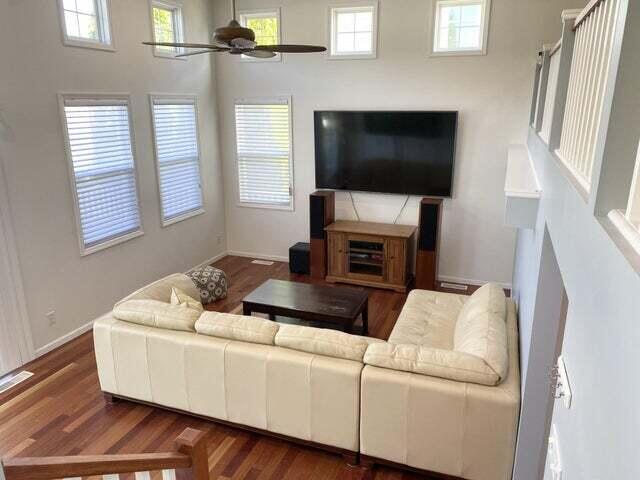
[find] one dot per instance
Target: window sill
(111, 243)
(624, 235)
(265, 206)
(180, 218)
(352, 56)
(458, 53)
(168, 56)
(106, 47)
(246, 59)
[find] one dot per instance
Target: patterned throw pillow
(212, 283)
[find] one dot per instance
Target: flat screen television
(405, 152)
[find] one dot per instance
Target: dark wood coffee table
(338, 306)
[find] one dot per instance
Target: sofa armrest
(448, 364)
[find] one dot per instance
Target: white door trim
(13, 304)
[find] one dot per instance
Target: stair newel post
(193, 443)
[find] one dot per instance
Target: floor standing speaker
(428, 243)
(322, 213)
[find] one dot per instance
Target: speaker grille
(428, 237)
(317, 207)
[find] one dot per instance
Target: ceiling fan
(237, 40)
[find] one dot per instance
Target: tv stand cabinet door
(396, 254)
(337, 254)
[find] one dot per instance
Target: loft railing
(190, 452)
(590, 70)
(633, 208)
(552, 86)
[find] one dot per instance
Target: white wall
(491, 92)
(599, 435)
(34, 67)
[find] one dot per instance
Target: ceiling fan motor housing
(232, 31)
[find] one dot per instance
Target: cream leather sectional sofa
(441, 395)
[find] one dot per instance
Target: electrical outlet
(553, 455)
(51, 316)
(219, 239)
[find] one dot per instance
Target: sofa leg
(109, 399)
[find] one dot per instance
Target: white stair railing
(590, 71)
(552, 84)
(633, 208)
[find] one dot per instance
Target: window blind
(177, 156)
(263, 142)
(101, 155)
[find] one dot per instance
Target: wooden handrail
(588, 10)
(190, 451)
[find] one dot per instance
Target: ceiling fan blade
(291, 48)
(259, 54)
(183, 45)
(200, 52)
(242, 43)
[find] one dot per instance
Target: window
(461, 27)
(102, 168)
(85, 23)
(175, 131)
(166, 18)
(263, 143)
(266, 26)
(353, 31)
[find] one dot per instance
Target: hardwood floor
(61, 410)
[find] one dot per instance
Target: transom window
(85, 23)
(175, 132)
(354, 31)
(266, 25)
(102, 167)
(167, 26)
(263, 143)
(460, 26)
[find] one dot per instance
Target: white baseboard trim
(64, 339)
(259, 256)
(469, 281)
(210, 260)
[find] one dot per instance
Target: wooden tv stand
(370, 254)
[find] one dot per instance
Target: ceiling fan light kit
(237, 40)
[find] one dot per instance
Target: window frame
(265, 101)
(179, 99)
(178, 26)
(332, 31)
(485, 22)
(103, 17)
(99, 97)
(243, 15)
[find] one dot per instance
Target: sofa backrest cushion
(161, 289)
(155, 313)
(237, 327)
(434, 362)
(320, 341)
(178, 297)
(481, 328)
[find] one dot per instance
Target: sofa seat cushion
(428, 318)
(154, 313)
(237, 327)
(160, 290)
(320, 341)
(434, 362)
(481, 328)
